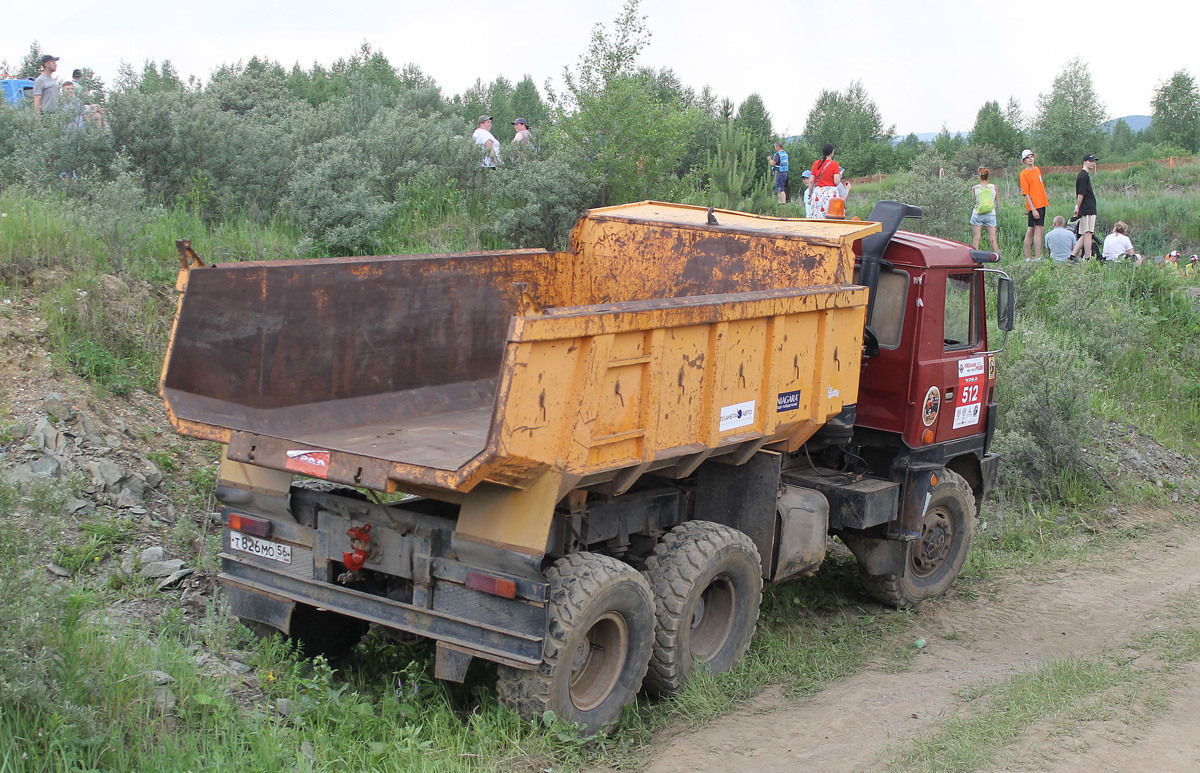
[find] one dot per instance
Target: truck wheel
(317, 632)
(707, 581)
(596, 649)
(933, 560)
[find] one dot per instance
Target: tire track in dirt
(1072, 611)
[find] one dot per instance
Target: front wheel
(597, 647)
(933, 560)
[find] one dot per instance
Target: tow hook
(360, 541)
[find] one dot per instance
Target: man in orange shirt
(1033, 190)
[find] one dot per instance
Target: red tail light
(259, 527)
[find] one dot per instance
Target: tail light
(248, 524)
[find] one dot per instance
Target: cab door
(966, 370)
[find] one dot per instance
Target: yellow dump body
(657, 341)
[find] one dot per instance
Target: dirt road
(1083, 612)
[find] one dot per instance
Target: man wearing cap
(1033, 190)
(522, 128)
(491, 147)
(45, 88)
(1085, 208)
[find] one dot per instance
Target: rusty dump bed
(656, 341)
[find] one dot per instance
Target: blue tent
(14, 88)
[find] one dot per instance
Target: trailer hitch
(360, 542)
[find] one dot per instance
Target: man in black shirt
(1085, 208)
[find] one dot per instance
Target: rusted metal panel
(438, 373)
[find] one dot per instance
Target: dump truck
(584, 465)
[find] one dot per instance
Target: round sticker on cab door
(929, 409)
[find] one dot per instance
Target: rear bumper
(256, 593)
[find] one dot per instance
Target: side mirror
(1005, 303)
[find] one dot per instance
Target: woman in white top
(1117, 245)
(988, 216)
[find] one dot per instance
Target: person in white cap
(1033, 190)
(45, 87)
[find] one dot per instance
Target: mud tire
(932, 563)
(597, 645)
(707, 582)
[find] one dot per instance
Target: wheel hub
(598, 660)
(713, 618)
(933, 546)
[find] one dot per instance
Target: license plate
(260, 547)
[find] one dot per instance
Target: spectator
(491, 147)
(1172, 260)
(843, 187)
(984, 213)
(1193, 267)
(77, 79)
(1117, 245)
(1085, 208)
(45, 87)
(826, 174)
(1060, 241)
(807, 178)
(72, 107)
(1033, 190)
(779, 162)
(522, 128)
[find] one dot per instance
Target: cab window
(891, 298)
(961, 318)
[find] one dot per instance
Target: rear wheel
(707, 582)
(933, 560)
(596, 649)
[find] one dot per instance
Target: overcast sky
(926, 63)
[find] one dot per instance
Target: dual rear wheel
(613, 629)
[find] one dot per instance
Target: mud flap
(877, 556)
(268, 610)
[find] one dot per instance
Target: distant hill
(1136, 122)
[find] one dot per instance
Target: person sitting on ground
(1118, 246)
(1192, 269)
(1060, 241)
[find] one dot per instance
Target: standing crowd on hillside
(1069, 240)
(69, 97)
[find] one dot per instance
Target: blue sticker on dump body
(787, 401)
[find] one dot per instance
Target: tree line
(353, 152)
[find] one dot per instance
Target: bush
(336, 199)
(1045, 415)
(538, 200)
(945, 199)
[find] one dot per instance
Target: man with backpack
(1085, 208)
(779, 162)
(984, 213)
